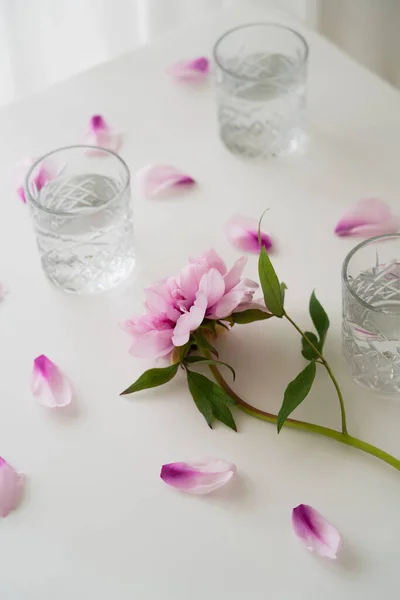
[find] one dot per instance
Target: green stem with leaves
(343, 438)
(327, 367)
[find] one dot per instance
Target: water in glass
(261, 112)
(371, 331)
(84, 247)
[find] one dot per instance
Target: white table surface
(95, 520)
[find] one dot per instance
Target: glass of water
(371, 313)
(261, 72)
(80, 203)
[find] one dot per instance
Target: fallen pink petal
(368, 218)
(49, 385)
(11, 484)
(190, 70)
(198, 477)
(102, 135)
(44, 173)
(156, 180)
(242, 232)
(315, 532)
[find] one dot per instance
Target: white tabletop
(96, 521)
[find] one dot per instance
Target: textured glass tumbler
(260, 77)
(371, 313)
(81, 208)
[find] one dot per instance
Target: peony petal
(100, 134)
(199, 476)
(49, 385)
(234, 275)
(10, 488)
(368, 218)
(44, 173)
(242, 232)
(210, 260)
(158, 179)
(153, 344)
(190, 70)
(190, 321)
(212, 285)
(316, 533)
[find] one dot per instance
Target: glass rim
(346, 262)
(93, 210)
(262, 24)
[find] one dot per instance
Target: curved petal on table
(315, 532)
(199, 476)
(49, 384)
(156, 180)
(196, 69)
(367, 218)
(102, 135)
(43, 174)
(10, 488)
(242, 232)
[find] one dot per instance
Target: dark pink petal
(368, 218)
(242, 232)
(44, 172)
(101, 134)
(10, 488)
(198, 477)
(49, 385)
(190, 70)
(156, 180)
(315, 532)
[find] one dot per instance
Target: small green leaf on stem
(201, 341)
(307, 351)
(201, 360)
(270, 284)
(211, 400)
(319, 318)
(295, 393)
(283, 289)
(250, 316)
(152, 378)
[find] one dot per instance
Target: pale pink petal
(156, 301)
(199, 476)
(258, 304)
(368, 218)
(153, 344)
(101, 134)
(49, 384)
(156, 180)
(242, 232)
(190, 70)
(228, 304)
(212, 285)
(234, 275)
(189, 280)
(43, 173)
(190, 321)
(10, 488)
(211, 260)
(315, 532)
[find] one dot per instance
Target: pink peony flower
(177, 306)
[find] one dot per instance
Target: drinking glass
(260, 77)
(371, 313)
(80, 204)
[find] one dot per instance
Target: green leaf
(270, 284)
(319, 318)
(307, 351)
(211, 400)
(295, 393)
(250, 315)
(192, 360)
(152, 378)
(283, 289)
(202, 342)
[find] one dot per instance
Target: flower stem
(342, 437)
(327, 367)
